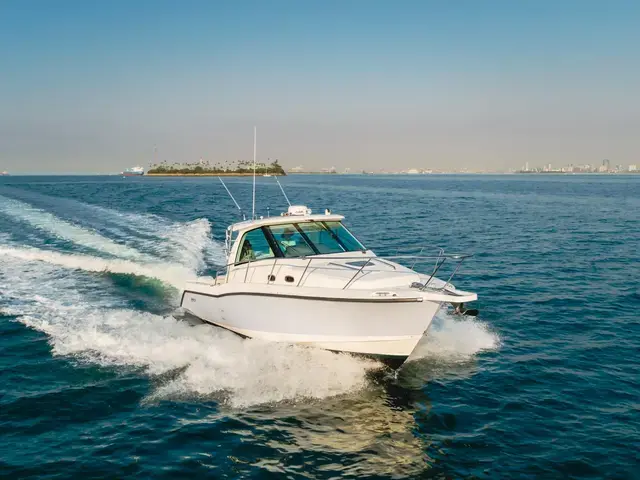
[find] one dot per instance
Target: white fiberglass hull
(388, 328)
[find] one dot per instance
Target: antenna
(282, 190)
(253, 210)
(234, 200)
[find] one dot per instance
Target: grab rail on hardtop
(440, 260)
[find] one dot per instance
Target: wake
(53, 225)
(173, 275)
(88, 324)
(132, 236)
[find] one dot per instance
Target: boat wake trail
(53, 225)
(52, 288)
(102, 231)
(103, 240)
(90, 326)
(173, 275)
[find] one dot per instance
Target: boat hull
(387, 329)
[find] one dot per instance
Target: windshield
(348, 241)
(314, 238)
(291, 241)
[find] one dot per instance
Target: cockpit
(296, 239)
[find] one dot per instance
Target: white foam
(453, 338)
(183, 242)
(189, 244)
(62, 229)
(174, 275)
(91, 325)
(211, 362)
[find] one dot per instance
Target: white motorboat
(306, 279)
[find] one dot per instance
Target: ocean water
(100, 377)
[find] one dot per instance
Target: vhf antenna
(234, 200)
(282, 190)
(253, 208)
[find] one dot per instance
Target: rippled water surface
(100, 376)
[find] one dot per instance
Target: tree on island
(199, 168)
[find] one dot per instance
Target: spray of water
(211, 362)
(454, 338)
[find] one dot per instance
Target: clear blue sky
(92, 86)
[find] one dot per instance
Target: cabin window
(324, 239)
(254, 247)
(292, 241)
(348, 241)
(313, 238)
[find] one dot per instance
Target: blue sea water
(100, 378)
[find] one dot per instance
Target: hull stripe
(305, 297)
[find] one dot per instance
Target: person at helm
(287, 239)
(246, 253)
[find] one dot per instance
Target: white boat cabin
(290, 236)
(302, 249)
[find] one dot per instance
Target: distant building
(633, 168)
(298, 169)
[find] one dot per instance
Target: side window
(254, 247)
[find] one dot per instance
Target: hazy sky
(93, 86)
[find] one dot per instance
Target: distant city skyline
(94, 87)
(605, 167)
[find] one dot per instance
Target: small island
(205, 168)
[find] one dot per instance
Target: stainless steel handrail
(350, 282)
(367, 261)
(440, 251)
(305, 271)
(453, 256)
